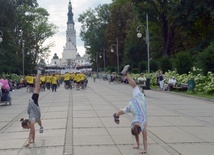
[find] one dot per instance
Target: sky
(58, 10)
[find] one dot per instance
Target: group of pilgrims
(51, 81)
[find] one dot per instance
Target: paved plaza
(80, 122)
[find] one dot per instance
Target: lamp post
(1, 36)
(112, 50)
(97, 61)
(139, 35)
(23, 57)
(103, 55)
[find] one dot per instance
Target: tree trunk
(165, 35)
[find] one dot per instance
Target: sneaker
(41, 65)
(125, 70)
(41, 129)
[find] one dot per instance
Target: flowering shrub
(203, 84)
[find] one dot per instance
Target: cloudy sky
(58, 10)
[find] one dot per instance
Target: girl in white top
(136, 106)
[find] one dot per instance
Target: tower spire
(70, 14)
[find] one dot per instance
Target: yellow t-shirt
(53, 80)
(78, 77)
(66, 77)
(48, 79)
(30, 79)
(82, 76)
(42, 78)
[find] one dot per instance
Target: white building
(70, 50)
(70, 57)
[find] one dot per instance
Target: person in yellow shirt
(67, 80)
(21, 81)
(42, 82)
(48, 81)
(82, 80)
(78, 80)
(54, 82)
(30, 83)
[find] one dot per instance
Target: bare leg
(37, 84)
(40, 123)
(128, 77)
(131, 81)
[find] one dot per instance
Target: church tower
(70, 51)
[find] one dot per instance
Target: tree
(93, 28)
(182, 23)
(121, 21)
(25, 28)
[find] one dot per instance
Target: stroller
(5, 98)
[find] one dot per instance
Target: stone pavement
(80, 122)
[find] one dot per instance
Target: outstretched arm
(31, 137)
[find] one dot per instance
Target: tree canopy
(25, 28)
(174, 27)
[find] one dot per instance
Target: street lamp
(139, 35)
(102, 55)
(23, 56)
(112, 50)
(1, 35)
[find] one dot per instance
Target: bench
(181, 87)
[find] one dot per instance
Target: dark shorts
(66, 82)
(35, 98)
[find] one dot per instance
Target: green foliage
(153, 65)
(135, 70)
(183, 62)
(142, 67)
(25, 27)
(111, 69)
(13, 77)
(204, 84)
(93, 28)
(165, 64)
(206, 59)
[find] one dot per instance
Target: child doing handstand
(33, 109)
(137, 106)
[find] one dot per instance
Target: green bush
(153, 66)
(206, 59)
(165, 64)
(183, 62)
(142, 67)
(204, 84)
(135, 70)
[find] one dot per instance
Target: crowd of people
(51, 81)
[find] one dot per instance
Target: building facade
(70, 50)
(70, 56)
